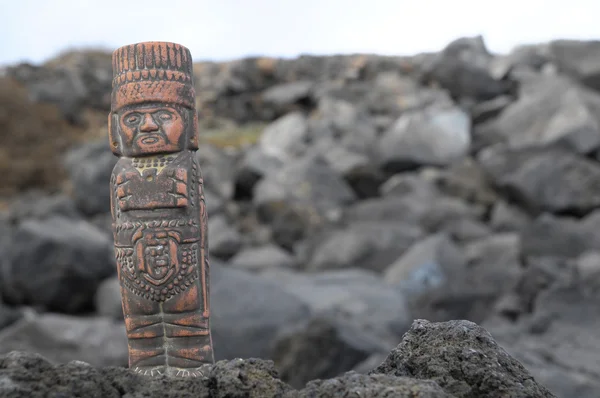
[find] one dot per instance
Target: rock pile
(454, 185)
(453, 359)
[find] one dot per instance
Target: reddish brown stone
(158, 209)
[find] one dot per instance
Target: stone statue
(158, 210)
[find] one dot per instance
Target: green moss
(236, 137)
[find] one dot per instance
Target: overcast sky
(35, 30)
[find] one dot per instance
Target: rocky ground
(348, 196)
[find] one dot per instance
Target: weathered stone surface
(429, 264)
(462, 69)
(376, 386)
(286, 97)
(304, 193)
(56, 264)
(369, 245)
(463, 359)
(358, 294)
(225, 241)
(554, 179)
(580, 59)
(286, 137)
(430, 137)
(108, 299)
(556, 341)
(550, 111)
(36, 204)
(263, 258)
(89, 167)
(453, 359)
(248, 312)
(323, 348)
(565, 237)
(31, 375)
(99, 341)
(218, 170)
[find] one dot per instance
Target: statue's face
(152, 129)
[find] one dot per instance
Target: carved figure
(158, 210)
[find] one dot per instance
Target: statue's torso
(157, 208)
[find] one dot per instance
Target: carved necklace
(158, 162)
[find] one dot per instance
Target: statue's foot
(187, 372)
(150, 370)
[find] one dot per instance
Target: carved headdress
(152, 72)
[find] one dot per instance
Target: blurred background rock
(347, 195)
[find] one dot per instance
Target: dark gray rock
(486, 110)
(322, 348)
(218, 170)
(465, 180)
(348, 124)
(563, 237)
(580, 59)
(369, 245)
(31, 375)
(494, 269)
(432, 214)
(303, 194)
(556, 342)
(370, 363)
(375, 386)
(454, 359)
(392, 93)
(420, 185)
(56, 264)
(90, 166)
(434, 136)
(39, 205)
(60, 86)
(522, 59)
(108, 299)
(465, 229)
(224, 240)
(263, 258)
(96, 340)
(429, 264)
(554, 180)
(506, 217)
(214, 204)
(286, 137)
(253, 166)
(357, 294)
(463, 359)
(550, 110)
(357, 169)
(286, 97)
(248, 312)
(462, 69)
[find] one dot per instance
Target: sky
(36, 30)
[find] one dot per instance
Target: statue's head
(153, 100)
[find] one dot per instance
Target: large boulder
(555, 336)
(579, 59)
(304, 193)
(247, 308)
(100, 341)
(359, 295)
(544, 179)
(463, 359)
(550, 110)
(90, 166)
(434, 136)
(56, 264)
